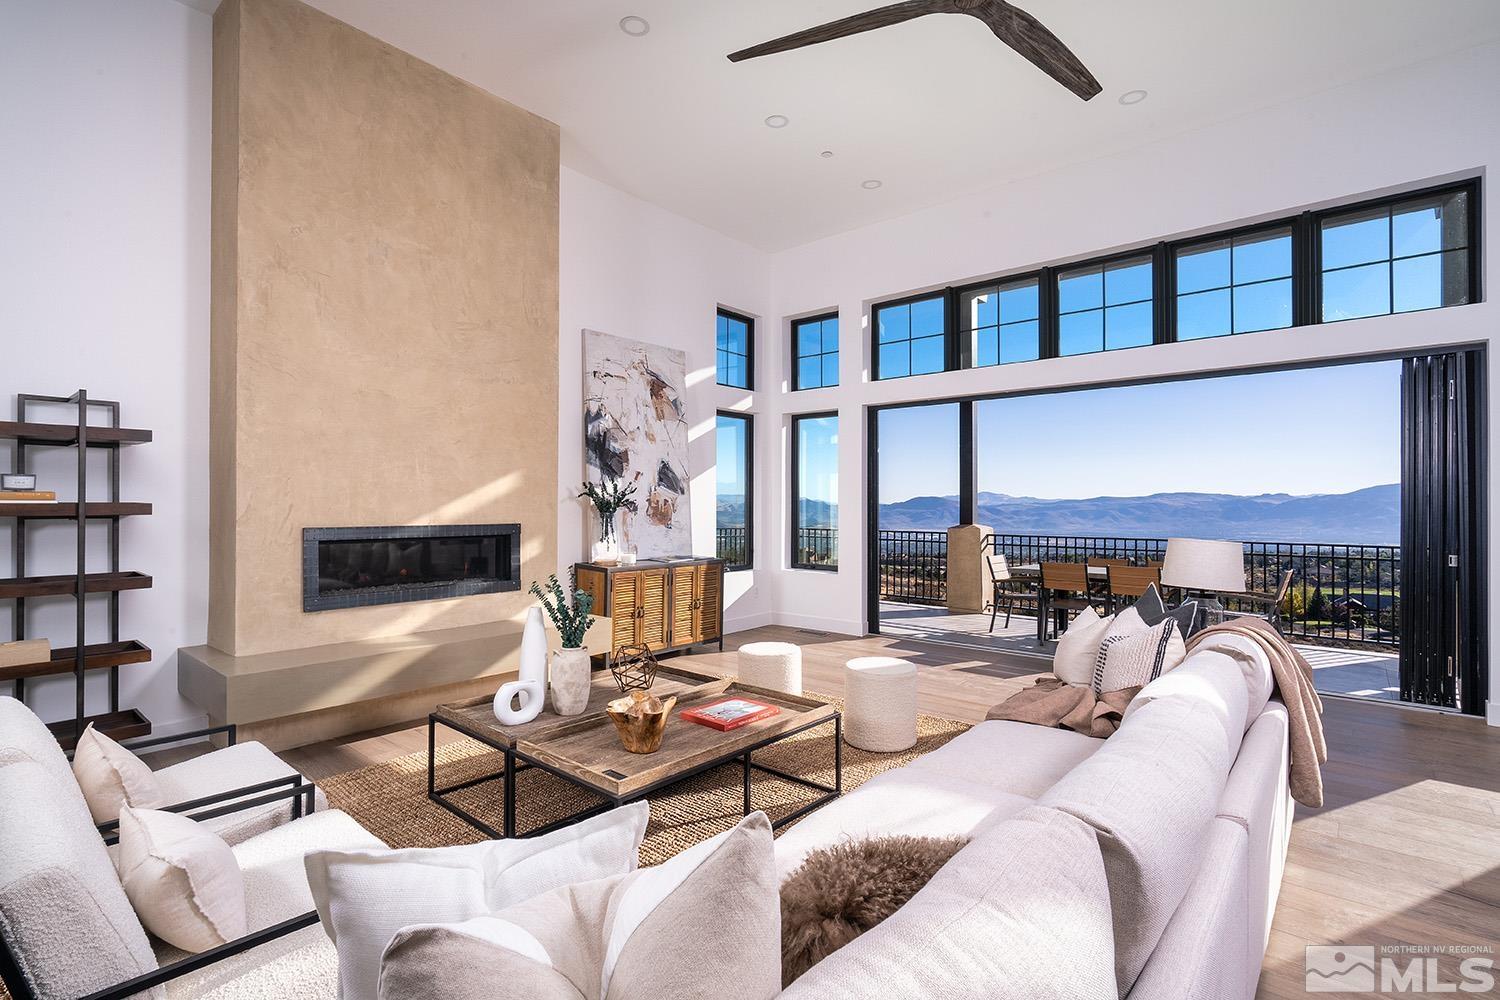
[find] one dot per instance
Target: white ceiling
(934, 108)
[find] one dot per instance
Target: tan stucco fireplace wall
(384, 319)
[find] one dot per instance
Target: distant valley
(1369, 516)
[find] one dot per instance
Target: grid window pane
(986, 347)
(926, 355)
(1204, 314)
(1440, 279)
(732, 353)
(1019, 302)
(1129, 282)
(1263, 256)
(1079, 291)
(1202, 268)
(1265, 305)
(895, 359)
(979, 309)
(816, 362)
(1127, 326)
(809, 339)
(893, 323)
(927, 318)
(732, 488)
(1430, 225)
(1358, 238)
(810, 372)
(1020, 341)
(1080, 333)
(1357, 291)
(815, 441)
(911, 338)
(830, 335)
(831, 369)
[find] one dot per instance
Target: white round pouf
(774, 665)
(880, 704)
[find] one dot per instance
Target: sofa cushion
(1135, 659)
(224, 770)
(365, 897)
(112, 776)
(23, 736)
(1212, 679)
(706, 923)
(1078, 648)
(302, 965)
(1150, 793)
(182, 879)
(1012, 756)
(1201, 955)
(61, 904)
(1255, 666)
(1022, 912)
(903, 801)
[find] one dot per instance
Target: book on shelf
(24, 651)
(730, 713)
(27, 496)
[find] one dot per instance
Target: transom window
(1104, 308)
(1002, 323)
(735, 345)
(1399, 258)
(815, 347)
(1237, 285)
(911, 337)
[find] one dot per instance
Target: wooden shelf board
(97, 656)
(60, 586)
(70, 510)
(123, 725)
(31, 432)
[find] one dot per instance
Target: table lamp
(1204, 566)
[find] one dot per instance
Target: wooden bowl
(641, 720)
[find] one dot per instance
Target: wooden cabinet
(665, 606)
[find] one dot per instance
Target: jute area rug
(390, 799)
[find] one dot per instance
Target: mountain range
(1369, 516)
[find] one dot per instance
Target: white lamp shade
(1201, 564)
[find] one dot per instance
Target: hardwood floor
(1406, 849)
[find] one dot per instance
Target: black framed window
(815, 491)
(1398, 257)
(911, 337)
(1238, 284)
(1105, 307)
(734, 483)
(1001, 323)
(815, 352)
(735, 346)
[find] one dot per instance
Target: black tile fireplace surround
(361, 567)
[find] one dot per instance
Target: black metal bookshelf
(82, 656)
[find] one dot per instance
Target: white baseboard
(745, 623)
(817, 624)
(1492, 712)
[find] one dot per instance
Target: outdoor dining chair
(1005, 588)
(1127, 583)
(1066, 586)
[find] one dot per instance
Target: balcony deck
(1352, 673)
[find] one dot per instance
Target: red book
(730, 713)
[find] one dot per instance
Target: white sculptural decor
(521, 700)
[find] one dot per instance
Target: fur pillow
(842, 891)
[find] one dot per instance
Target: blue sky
(1323, 430)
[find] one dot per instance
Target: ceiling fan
(1011, 25)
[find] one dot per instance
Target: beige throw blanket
(1294, 679)
(1056, 704)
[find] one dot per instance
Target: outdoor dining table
(1032, 573)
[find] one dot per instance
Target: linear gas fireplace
(359, 567)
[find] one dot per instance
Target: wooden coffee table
(585, 750)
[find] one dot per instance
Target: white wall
(104, 211)
(634, 270)
(1420, 125)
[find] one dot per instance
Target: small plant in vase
(609, 498)
(569, 676)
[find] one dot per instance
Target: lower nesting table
(585, 751)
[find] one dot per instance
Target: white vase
(605, 553)
(521, 700)
(569, 680)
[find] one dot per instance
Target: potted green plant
(568, 678)
(609, 498)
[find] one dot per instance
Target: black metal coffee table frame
(517, 761)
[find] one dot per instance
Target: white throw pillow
(112, 776)
(181, 878)
(365, 897)
(1078, 647)
(1136, 657)
(707, 923)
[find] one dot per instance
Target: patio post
(968, 584)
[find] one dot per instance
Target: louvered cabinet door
(624, 609)
(684, 606)
(709, 602)
(652, 627)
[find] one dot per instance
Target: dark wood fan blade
(852, 25)
(1028, 36)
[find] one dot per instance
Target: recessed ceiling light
(870, 185)
(778, 121)
(634, 26)
(826, 153)
(1132, 97)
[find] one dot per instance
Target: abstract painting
(635, 429)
